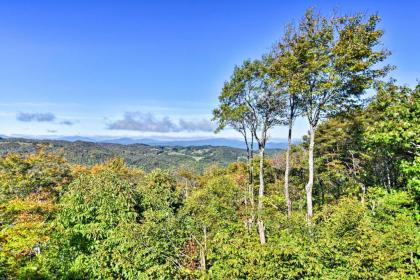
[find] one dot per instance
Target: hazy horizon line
(110, 137)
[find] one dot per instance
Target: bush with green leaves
(29, 188)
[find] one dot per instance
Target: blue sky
(154, 68)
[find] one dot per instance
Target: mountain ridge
(141, 155)
(156, 141)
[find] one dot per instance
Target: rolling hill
(145, 156)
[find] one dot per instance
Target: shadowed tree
(392, 136)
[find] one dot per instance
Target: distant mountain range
(166, 155)
(217, 142)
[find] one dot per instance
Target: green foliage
(108, 228)
(21, 175)
(214, 203)
(94, 229)
(412, 172)
(396, 119)
(354, 247)
(29, 187)
(326, 61)
(158, 192)
(364, 147)
(392, 134)
(115, 221)
(161, 231)
(340, 157)
(269, 175)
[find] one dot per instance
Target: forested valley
(146, 157)
(343, 204)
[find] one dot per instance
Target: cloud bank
(35, 117)
(147, 122)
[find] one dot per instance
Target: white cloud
(147, 122)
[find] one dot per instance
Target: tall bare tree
(256, 99)
(233, 113)
(330, 63)
(283, 70)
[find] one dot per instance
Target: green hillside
(139, 155)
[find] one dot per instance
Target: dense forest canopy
(147, 157)
(343, 204)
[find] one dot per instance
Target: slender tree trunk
(310, 183)
(186, 188)
(203, 250)
(363, 190)
(251, 171)
(355, 167)
(251, 187)
(388, 176)
(250, 192)
(286, 172)
(248, 156)
(261, 230)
